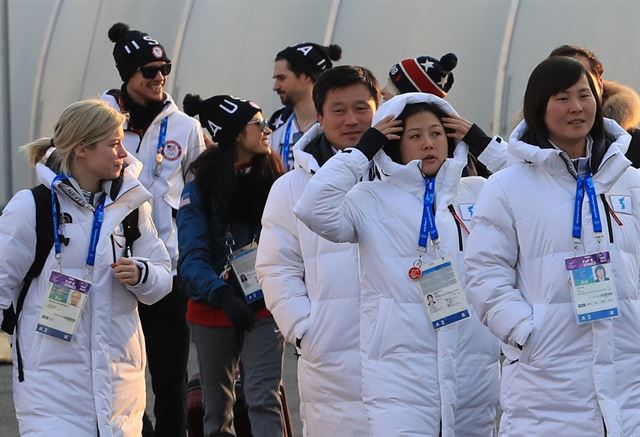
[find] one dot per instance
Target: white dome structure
(54, 52)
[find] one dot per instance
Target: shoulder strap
(44, 241)
(131, 230)
(44, 228)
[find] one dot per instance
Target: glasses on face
(151, 72)
(263, 124)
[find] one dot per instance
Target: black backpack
(44, 242)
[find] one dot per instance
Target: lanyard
(229, 242)
(586, 184)
(428, 224)
(157, 168)
(286, 142)
(98, 218)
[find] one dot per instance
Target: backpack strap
(44, 242)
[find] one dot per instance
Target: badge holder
(67, 295)
(590, 276)
(63, 306)
(592, 287)
(242, 263)
(442, 295)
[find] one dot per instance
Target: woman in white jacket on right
(564, 373)
(421, 377)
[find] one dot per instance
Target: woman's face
(104, 160)
(570, 114)
(600, 273)
(254, 138)
(424, 138)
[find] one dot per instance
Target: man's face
(143, 90)
(347, 112)
(596, 80)
(290, 88)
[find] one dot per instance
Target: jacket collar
(302, 159)
(115, 189)
(611, 167)
(169, 107)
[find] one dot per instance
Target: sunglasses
(263, 124)
(151, 72)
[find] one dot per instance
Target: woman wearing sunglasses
(218, 228)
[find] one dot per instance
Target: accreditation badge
(592, 287)
(244, 267)
(443, 297)
(63, 305)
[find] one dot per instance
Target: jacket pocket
(384, 305)
(531, 346)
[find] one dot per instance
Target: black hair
(596, 67)
(550, 77)
(341, 77)
(392, 148)
(234, 195)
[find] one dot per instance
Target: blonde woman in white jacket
(572, 343)
(427, 369)
(81, 343)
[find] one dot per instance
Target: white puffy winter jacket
(311, 287)
(415, 379)
(95, 383)
(569, 379)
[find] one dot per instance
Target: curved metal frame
(500, 94)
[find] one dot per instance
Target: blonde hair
(87, 121)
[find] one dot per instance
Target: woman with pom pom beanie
(428, 75)
(219, 216)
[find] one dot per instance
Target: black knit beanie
(133, 49)
(309, 58)
(222, 116)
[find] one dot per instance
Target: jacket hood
(305, 159)
(409, 175)
(611, 167)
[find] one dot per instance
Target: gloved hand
(374, 138)
(236, 309)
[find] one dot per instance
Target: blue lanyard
(428, 224)
(286, 142)
(586, 184)
(98, 218)
(163, 134)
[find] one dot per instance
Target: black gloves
(238, 311)
(370, 142)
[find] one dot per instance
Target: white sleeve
(496, 156)
(150, 254)
(491, 254)
(17, 245)
(279, 263)
(325, 206)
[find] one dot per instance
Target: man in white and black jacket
(295, 71)
(166, 141)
